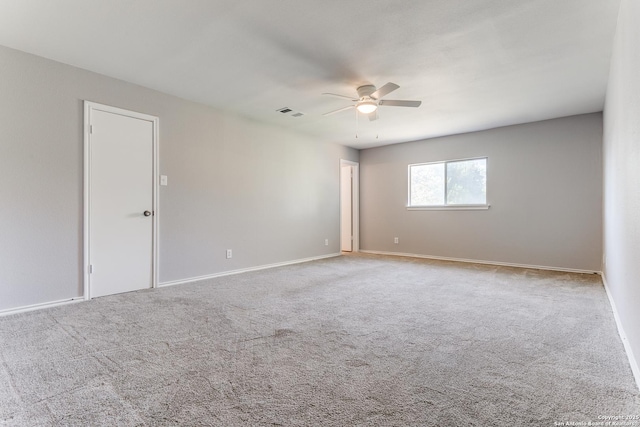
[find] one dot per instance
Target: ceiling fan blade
(339, 109)
(373, 116)
(341, 96)
(398, 103)
(384, 90)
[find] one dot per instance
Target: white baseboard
(244, 270)
(33, 307)
(623, 336)
(478, 261)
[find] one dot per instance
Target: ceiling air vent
(290, 112)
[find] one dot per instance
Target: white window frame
(445, 207)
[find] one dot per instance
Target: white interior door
(121, 202)
(346, 208)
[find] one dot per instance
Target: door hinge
(90, 269)
(91, 129)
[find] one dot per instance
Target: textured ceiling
(474, 64)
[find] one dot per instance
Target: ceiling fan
(369, 99)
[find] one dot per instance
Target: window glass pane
(427, 184)
(467, 182)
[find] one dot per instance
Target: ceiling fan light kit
(366, 107)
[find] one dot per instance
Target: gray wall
(267, 193)
(622, 177)
(544, 184)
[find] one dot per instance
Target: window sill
(449, 208)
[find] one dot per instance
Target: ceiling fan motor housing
(366, 90)
(366, 104)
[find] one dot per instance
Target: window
(451, 184)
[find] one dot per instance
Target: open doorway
(349, 206)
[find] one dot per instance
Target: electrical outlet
(395, 240)
(229, 253)
(326, 242)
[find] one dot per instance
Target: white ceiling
(475, 64)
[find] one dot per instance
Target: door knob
(147, 213)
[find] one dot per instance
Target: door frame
(90, 106)
(355, 203)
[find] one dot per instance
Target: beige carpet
(350, 341)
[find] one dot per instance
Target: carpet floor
(357, 340)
